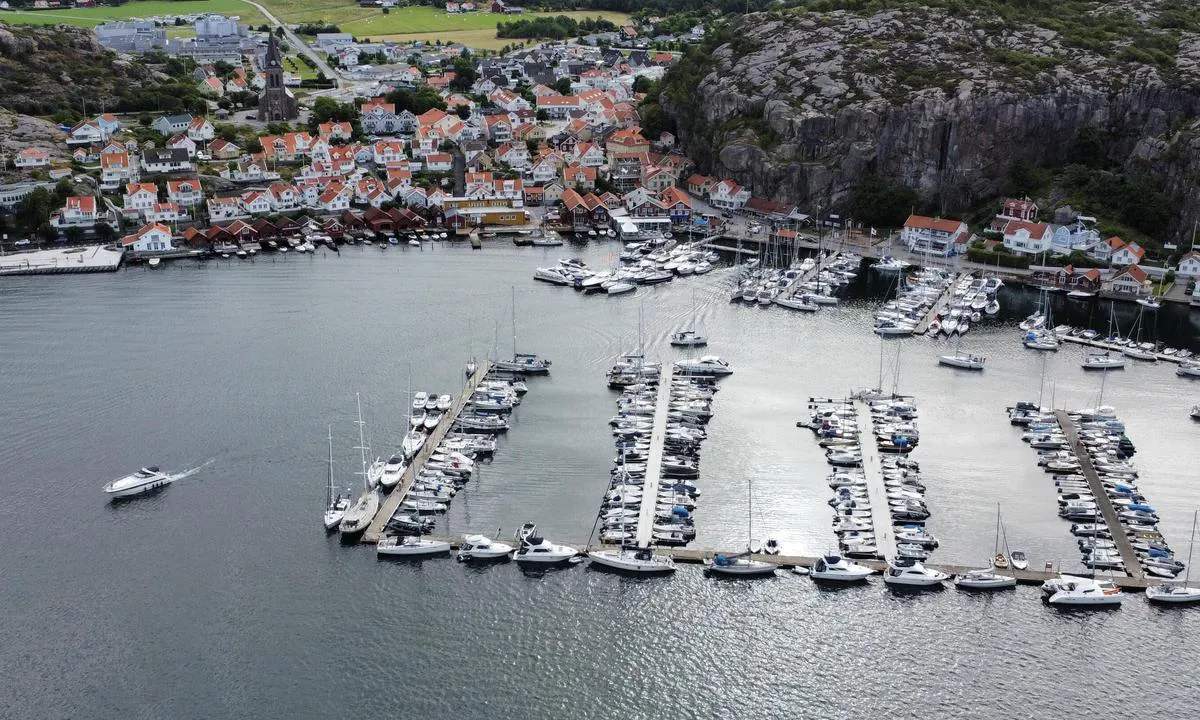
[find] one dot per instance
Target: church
(277, 104)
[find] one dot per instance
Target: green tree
(74, 235)
(462, 111)
(642, 84)
(877, 203)
(542, 116)
(464, 74)
(563, 86)
(105, 232)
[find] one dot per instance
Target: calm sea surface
(222, 597)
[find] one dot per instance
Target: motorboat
(962, 360)
(419, 400)
(740, 566)
(1081, 295)
(906, 572)
(432, 419)
(619, 287)
(835, 568)
(412, 442)
(1151, 303)
(1074, 591)
(707, 366)
(148, 479)
(632, 560)
(1103, 361)
(1188, 369)
(411, 546)
(890, 266)
(538, 550)
(393, 469)
(443, 403)
(1018, 559)
(481, 547)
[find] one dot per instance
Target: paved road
(300, 45)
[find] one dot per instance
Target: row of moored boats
(806, 286)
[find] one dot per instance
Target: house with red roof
(77, 211)
(139, 198)
(727, 195)
(699, 184)
(151, 238)
(1125, 253)
(1027, 238)
(937, 236)
(116, 169)
(1131, 281)
(187, 192)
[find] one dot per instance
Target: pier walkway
(645, 526)
(93, 258)
(803, 277)
(1101, 345)
(942, 301)
(1132, 566)
(881, 516)
(390, 504)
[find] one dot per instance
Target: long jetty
(938, 306)
(803, 277)
(872, 466)
(1100, 344)
(658, 432)
(392, 502)
(1132, 566)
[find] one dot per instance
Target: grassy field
(476, 30)
(91, 17)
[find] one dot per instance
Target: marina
(658, 431)
(270, 469)
(391, 503)
(872, 466)
(1115, 529)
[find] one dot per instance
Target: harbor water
(222, 597)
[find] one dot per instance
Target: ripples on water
(220, 597)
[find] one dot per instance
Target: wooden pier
(938, 306)
(390, 504)
(645, 526)
(803, 277)
(1132, 566)
(872, 466)
(696, 556)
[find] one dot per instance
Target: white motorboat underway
(633, 560)
(1073, 591)
(910, 573)
(481, 547)
(148, 479)
(411, 546)
(837, 569)
(339, 503)
(688, 338)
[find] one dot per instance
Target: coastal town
(404, 137)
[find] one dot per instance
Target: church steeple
(277, 102)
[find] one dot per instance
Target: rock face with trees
(948, 105)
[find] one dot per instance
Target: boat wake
(192, 471)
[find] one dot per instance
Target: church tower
(276, 104)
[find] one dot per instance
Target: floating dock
(1101, 345)
(389, 505)
(822, 257)
(93, 258)
(662, 404)
(1115, 528)
(872, 466)
(938, 306)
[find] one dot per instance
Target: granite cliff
(799, 105)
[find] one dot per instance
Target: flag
(873, 233)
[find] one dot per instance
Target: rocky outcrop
(46, 69)
(799, 107)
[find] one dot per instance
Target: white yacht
(797, 303)
(909, 573)
(835, 568)
(985, 579)
(1073, 591)
(148, 479)
(443, 403)
(359, 516)
(412, 442)
(481, 547)
(1188, 369)
(890, 266)
(540, 551)
(393, 469)
(688, 338)
(1103, 361)
(1173, 592)
(419, 400)
(962, 360)
(633, 560)
(707, 366)
(740, 566)
(411, 546)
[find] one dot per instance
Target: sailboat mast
(331, 498)
(362, 445)
(749, 514)
(514, 319)
(1187, 573)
